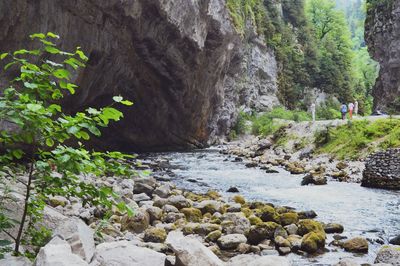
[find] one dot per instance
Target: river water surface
(370, 213)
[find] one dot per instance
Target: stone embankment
(171, 226)
(382, 170)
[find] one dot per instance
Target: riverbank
(169, 223)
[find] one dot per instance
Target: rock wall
(383, 39)
(382, 170)
(181, 62)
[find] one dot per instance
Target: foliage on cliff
(317, 46)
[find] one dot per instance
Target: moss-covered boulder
(307, 225)
(313, 242)
(136, 223)
(261, 231)
(256, 205)
(254, 220)
(289, 218)
(213, 236)
(268, 214)
(239, 199)
(179, 202)
(192, 214)
(155, 235)
(281, 242)
(356, 245)
(247, 212)
(212, 194)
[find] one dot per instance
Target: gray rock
(254, 260)
(395, 240)
(190, 252)
(389, 254)
(291, 229)
(240, 224)
(231, 241)
(348, 262)
(169, 208)
(58, 252)
(124, 253)
(79, 236)
(140, 197)
(162, 191)
(179, 202)
(15, 261)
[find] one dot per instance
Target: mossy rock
(194, 197)
(212, 194)
(289, 218)
(356, 245)
(213, 236)
(155, 235)
(190, 228)
(268, 214)
(281, 210)
(136, 223)
(215, 220)
(313, 241)
(307, 225)
(342, 165)
(254, 220)
(247, 212)
(239, 199)
(211, 206)
(192, 214)
(261, 231)
(256, 205)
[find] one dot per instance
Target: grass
(264, 125)
(359, 138)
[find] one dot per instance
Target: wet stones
(356, 245)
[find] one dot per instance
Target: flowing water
(370, 213)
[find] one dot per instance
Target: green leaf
(37, 35)
(81, 55)
(73, 130)
(3, 55)
(22, 51)
(61, 73)
(30, 85)
(52, 50)
(93, 111)
(55, 107)
(84, 135)
(33, 107)
(52, 35)
(71, 87)
(49, 142)
(94, 130)
(117, 99)
(127, 103)
(10, 64)
(17, 153)
(110, 113)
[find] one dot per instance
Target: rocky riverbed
(179, 226)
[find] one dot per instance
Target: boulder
(307, 214)
(233, 190)
(261, 231)
(306, 226)
(395, 240)
(141, 197)
(312, 242)
(295, 242)
(179, 202)
(389, 254)
(232, 241)
(268, 214)
(58, 201)
(192, 214)
(291, 229)
(15, 261)
(348, 262)
(124, 253)
(239, 199)
(140, 187)
(314, 179)
(190, 252)
(155, 235)
(282, 242)
(136, 223)
(52, 218)
(356, 245)
(255, 260)
(211, 206)
(58, 252)
(288, 218)
(235, 223)
(162, 191)
(213, 236)
(155, 213)
(79, 236)
(333, 228)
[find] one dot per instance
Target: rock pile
(382, 170)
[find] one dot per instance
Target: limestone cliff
(383, 39)
(181, 62)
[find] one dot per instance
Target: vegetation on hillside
(317, 46)
(42, 149)
(357, 139)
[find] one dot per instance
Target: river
(370, 213)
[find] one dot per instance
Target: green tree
(43, 151)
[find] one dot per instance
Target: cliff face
(383, 39)
(180, 62)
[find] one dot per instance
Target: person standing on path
(356, 108)
(343, 110)
(312, 108)
(351, 109)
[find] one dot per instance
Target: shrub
(44, 152)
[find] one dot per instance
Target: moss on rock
(239, 199)
(155, 235)
(307, 225)
(192, 214)
(289, 218)
(254, 220)
(313, 241)
(261, 231)
(213, 236)
(268, 214)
